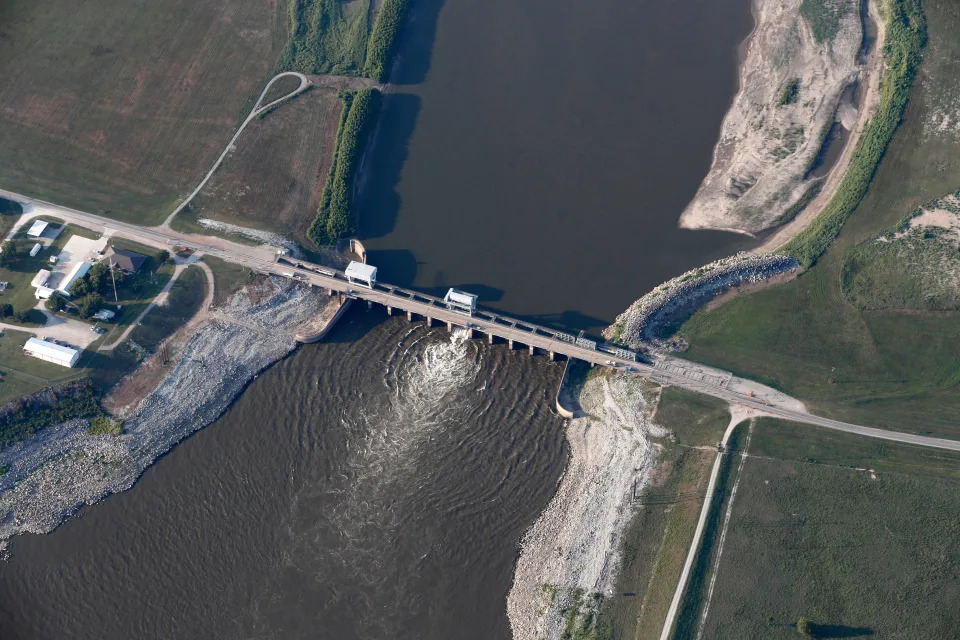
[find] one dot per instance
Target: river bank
(804, 64)
(62, 468)
(570, 557)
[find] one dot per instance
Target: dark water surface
(376, 486)
(372, 487)
(541, 153)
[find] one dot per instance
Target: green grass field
(227, 278)
(141, 100)
(21, 375)
(274, 179)
(861, 537)
(184, 300)
(896, 369)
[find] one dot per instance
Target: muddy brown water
(377, 485)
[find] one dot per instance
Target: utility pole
(114, 278)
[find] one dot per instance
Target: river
(377, 485)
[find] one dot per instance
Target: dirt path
(873, 71)
(258, 108)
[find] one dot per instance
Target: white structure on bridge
(51, 352)
(361, 274)
(461, 301)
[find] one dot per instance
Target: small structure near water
(361, 274)
(461, 301)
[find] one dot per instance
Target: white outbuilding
(35, 250)
(362, 274)
(36, 229)
(51, 352)
(461, 301)
(42, 293)
(41, 279)
(79, 270)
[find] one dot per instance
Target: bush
(6, 310)
(103, 426)
(25, 417)
(789, 93)
(56, 302)
(383, 41)
(89, 304)
(334, 215)
(906, 38)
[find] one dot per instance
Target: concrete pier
(533, 350)
(409, 316)
(389, 311)
(510, 343)
(491, 339)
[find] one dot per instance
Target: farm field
(860, 537)
(274, 178)
(140, 101)
(892, 368)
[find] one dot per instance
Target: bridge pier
(533, 350)
(409, 316)
(471, 334)
(553, 356)
(389, 310)
(510, 343)
(491, 338)
(430, 321)
(450, 327)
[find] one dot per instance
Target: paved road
(262, 259)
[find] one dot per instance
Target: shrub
(25, 417)
(6, 310)
(906, 38)
(383, 41)
(334, 215)
(103, 426)
(789, 93)
(56, 302)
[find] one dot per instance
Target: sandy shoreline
(765, 147)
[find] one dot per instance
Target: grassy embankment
(659, 536)
(906, 36)
(334, 216)
(329, 36)
(861, 537)
(140, 102)
(896, 368)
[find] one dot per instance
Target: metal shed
(51, 352)
(75, 274)
(361, 274)
(36, 229)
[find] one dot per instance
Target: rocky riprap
(648, 319)
(62, 467)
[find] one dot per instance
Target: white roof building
(36, 229)
(41, 279)
(51, 352)
(79, 270)
(461, 301)
(42, 293)
(36, 249)
(361, 273)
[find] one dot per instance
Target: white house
(42, 293)
(51, 352)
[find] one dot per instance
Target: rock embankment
(798, 65)
(650, 318)
(570, 556)
(58, 470)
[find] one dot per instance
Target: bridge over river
(660, 369)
